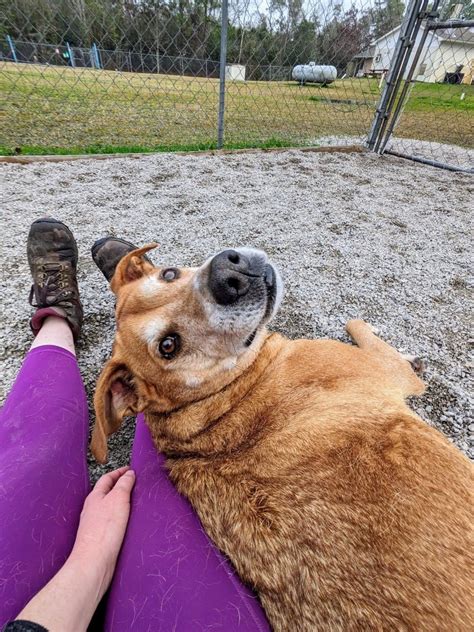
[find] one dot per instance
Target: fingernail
(130, 473)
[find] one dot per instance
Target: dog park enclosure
(155, 75)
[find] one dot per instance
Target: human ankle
(52, 328)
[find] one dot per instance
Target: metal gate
(412, 54)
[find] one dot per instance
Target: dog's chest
(235, 508)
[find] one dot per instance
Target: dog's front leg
(405, 369)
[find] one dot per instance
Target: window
(378, 58)
(422, 69)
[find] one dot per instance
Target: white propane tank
(312, 73)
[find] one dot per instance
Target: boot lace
(52, 286)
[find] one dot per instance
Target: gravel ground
(355, 235)
(452, 155)
(439, 152)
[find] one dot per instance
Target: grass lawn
(64, 110)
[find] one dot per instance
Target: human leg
(55, 332)
(43, 431)
(169, 575)
(43, 473)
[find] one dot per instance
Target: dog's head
(182, 333)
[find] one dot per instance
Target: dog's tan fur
(339, 505)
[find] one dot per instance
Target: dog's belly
(356, 536)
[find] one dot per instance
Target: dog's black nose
(229, 277)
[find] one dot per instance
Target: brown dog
(339, 505)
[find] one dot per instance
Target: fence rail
(128, 61)
(101, 59)
(409, 51)
(90, 76)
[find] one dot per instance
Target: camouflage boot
(108, 251)
(52, 255)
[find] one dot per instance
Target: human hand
(104, 521)
(69, 599)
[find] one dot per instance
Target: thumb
(125, 483)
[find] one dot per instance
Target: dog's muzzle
(232, 275)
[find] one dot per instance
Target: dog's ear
(115, 397)
(131, 267)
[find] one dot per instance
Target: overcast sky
(249, 11)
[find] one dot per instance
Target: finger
(125, 483)
(106, 482)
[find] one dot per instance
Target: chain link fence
(430, 83)
(131, 75)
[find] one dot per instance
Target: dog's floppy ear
(131, 267)
(115, 397)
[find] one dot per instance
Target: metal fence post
(408, 82)
(394, 74)
(96, 56)
(12, 48)
(71, 55)
(223, 59)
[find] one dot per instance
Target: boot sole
(97, 244)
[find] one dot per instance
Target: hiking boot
(108, 251)
(52, 255)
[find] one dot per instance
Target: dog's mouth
(251, 338)
(270, 281)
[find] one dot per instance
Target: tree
(386, 16)
(342, 37)
(467, 10)
(284, 33)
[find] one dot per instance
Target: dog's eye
(169, 346)
(169, 274)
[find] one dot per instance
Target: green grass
(427, 97)
(62, 110)
(36, 150)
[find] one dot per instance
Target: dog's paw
(417, 364)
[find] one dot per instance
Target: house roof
(368, 53)
(460, 35)
(464, 35)
(397, 28)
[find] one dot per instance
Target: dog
(335, 502)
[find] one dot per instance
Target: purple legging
(169, 575)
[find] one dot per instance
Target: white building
(235, 72)
(447, 52)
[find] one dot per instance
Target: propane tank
(312, 73)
